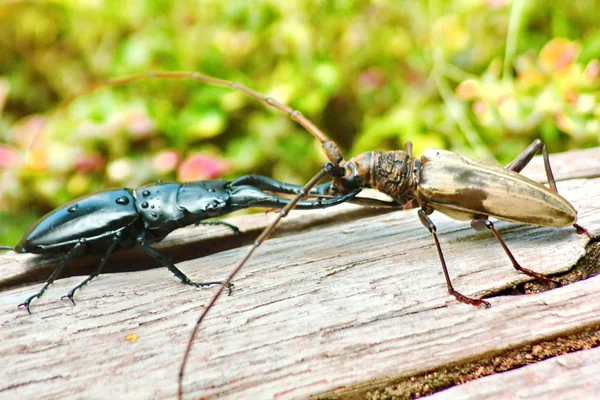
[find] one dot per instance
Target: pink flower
(28, 133)
(89, 162)
(166, 161)
(201, 166)
(9, 158)
(138, 123)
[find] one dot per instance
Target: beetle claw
(229, 287)
(581, 230)
(69, 296)
(26, 307)
(26, 303)
(541, 278)
(203, 284)
(469, 300)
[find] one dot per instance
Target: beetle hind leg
(581, 230)
(75, 251)
(483, 223)
(428, 223)
(525, 157)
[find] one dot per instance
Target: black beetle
(105, 222)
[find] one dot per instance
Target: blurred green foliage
(480, 77)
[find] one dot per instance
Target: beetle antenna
(6, 248)
(259, 240)
(331, 150)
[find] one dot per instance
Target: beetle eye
(214, 206)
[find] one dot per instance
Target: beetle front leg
(165, 262)
(74, 252)
(428, 223)
(483, 224)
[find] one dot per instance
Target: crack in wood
(428, 382)
(587, 266)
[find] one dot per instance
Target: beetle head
(358, 172)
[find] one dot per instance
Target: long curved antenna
(6, 248)
(259, 240)
(331, 150)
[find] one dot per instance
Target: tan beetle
(463, 189)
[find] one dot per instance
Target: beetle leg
(117, 238)
(525, 157)
(581, 230)
(235, 229)
(426, 221)
(165, 262)
(74, 252)
(482, 224)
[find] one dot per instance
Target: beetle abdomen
(91, 217)
(463, 188)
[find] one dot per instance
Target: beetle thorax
(389, 172)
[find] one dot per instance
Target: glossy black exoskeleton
(105, 222)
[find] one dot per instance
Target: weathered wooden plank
(314, 311)
(570, 376)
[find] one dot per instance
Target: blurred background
(480, 77)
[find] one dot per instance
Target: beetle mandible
(105, 222)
